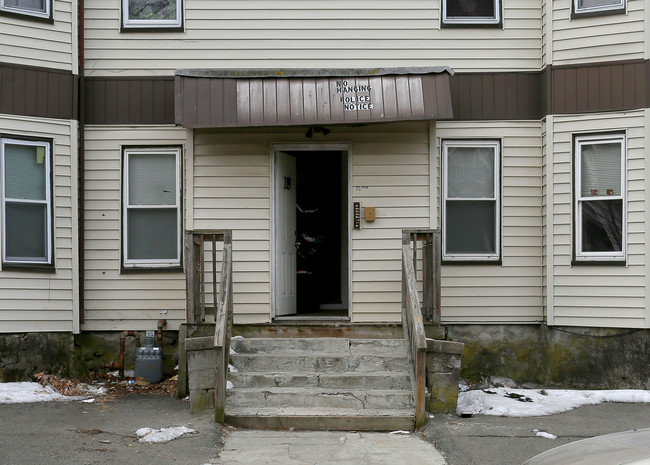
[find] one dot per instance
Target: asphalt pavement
(76, 433)
(490, 440)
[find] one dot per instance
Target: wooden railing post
(436, 258)
(414, 335)
(223, 332)
(189, 278)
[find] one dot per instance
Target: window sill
(591, 14)
(612, 262)
(472, 262)
(152, 28)
(151, 269)
(445, 25)
(29, 268)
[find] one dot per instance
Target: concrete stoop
(320, 384)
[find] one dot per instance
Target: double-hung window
(597, 7)
(152, 14)
(471, 12)
(37, 8)
(152, 208)
(471, 200)
(600, 197)
(26, 202)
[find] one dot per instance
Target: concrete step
(320, 383)
(379, 380)
(320, 398)
(314, 418)
(322, 363)
(328, 345)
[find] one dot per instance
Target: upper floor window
(26, 202)
(37, 8)
(152, 14)
(471, 200)
(597, 7)
(471, 12)
(600, 197)
(152, 207)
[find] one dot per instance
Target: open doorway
(311, 215)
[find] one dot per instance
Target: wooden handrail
(426, 248)
(195, 256)
(414, 333)
(222, 335)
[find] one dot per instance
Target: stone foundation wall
(443, 375)
(573, 357)
(74, 355)
(25, 354)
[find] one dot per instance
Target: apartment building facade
(517, 128)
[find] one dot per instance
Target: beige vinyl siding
(311, 34)
(510, 292)
(389, 170)
(115, 300)
(605, 296)
(41, 301)
(599, 38)
(36, 43)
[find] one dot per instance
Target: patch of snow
(237, 337)
(229, 385)
(22, 393)
(127, 373)
(232, 369)
(88, 401)
(462, 387)
(531, 403)
(162, 435)
(232, 352)
(400, 432)
(544, 434)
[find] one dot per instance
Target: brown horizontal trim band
(566, 89)
(38, 92)
(129, 100)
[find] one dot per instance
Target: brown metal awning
(232, 98)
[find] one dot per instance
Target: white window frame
(128, 23)
(496, 146)
(580, 255)
(38, 261)
(469, 20)
(150, 263)
(47, 14)
(620, 7)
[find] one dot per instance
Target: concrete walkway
(325, 448)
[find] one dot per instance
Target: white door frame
(336, 147)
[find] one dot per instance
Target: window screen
(471, 12)
(152, 203)
(600, 197)
(26, 220)
(35, 8)
(471, 200)
(586, 7)
(152, 13)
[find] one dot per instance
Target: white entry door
(285, 234)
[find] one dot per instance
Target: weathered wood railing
(412, 315)
(201, 247)
(426, 253)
